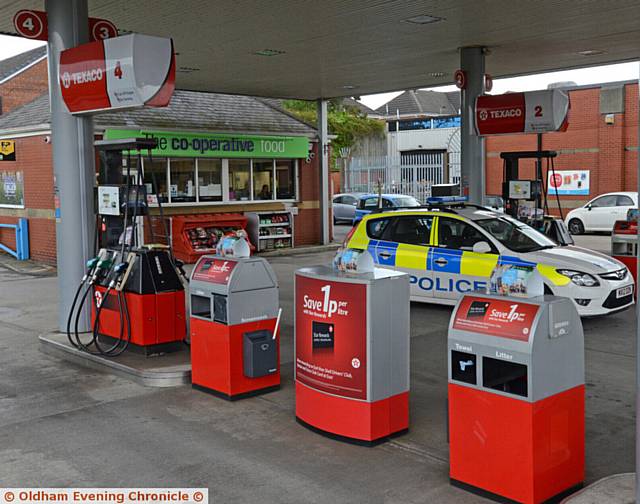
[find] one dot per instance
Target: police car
(452, 250)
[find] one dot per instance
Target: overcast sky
(593, 75)
(10, 46)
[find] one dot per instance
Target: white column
(472, 151)
(73, 160)
(323, 162)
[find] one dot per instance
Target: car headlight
(580, 278)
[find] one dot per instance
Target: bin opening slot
(463, 367)
(201, 306)
(220, 308)
(505, 376)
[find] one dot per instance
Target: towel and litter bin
(234, 323)
(515, 366)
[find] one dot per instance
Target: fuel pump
(526, 200)
(136, 291)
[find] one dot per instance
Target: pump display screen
(496, 317)
(214, 270)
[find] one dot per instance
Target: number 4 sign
(32, 24)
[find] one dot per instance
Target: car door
(624, 203)
(403, 245)
(349, 206)
(338, 208)
(456, 268)
(600, 214)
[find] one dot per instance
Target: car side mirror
(588, 207)
(481, 247)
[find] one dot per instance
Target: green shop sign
(218, 145)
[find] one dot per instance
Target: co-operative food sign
(116, 73)
(530, 112)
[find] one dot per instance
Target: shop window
(285, 179)
(156, 169)
(182, 176)
(209, 179)
(239, 179)
(262, 179)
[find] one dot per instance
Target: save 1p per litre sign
(331, 336)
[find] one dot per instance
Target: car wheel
(576, 227)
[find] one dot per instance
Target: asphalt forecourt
(63, 425)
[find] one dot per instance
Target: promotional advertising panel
(122, 72)
(331, 336)
(214, 270)
(496, 317)
(11, 189)
(569, 183)
(7, 150)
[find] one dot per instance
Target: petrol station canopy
(322, 49)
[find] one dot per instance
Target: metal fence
(411, 174)
(21, 228)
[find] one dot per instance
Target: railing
(21, 253)
(412, 175)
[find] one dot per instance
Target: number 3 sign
(32, 24)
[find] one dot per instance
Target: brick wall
(24, 87)
(33, 158)
(608, 151)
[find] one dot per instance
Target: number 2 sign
(32, 24)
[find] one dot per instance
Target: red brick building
(280, 173)
(602, 138)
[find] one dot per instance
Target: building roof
(352, 102)
(188, 111)
(422, 102)
(10, 66)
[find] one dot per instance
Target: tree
(347, 123)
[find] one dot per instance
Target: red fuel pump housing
(155, 301)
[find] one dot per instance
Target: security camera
(47, 139)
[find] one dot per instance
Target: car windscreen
(515, 235)
(406, 201)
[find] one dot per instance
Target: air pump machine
(136, 291)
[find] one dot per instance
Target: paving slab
(615, 489)
(64, 424)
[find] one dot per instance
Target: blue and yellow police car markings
(412, 256)
(550, 273)
(515, 261)
(444, 260)
(383, 252)
(478, 265)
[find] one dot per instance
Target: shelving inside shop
(271, 230)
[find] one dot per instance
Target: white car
(601, 213)
(450, 251)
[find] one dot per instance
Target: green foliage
(347, 123)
